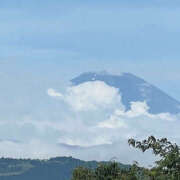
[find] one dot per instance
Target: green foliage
(83, 173)
(105, 171)
(168, 167)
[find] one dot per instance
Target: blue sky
(44, 44)
(76, 36)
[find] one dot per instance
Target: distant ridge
(133, 88)
(59, 168)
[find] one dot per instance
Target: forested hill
(59, 168)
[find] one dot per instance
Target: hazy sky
(43, 44)
(43, 37)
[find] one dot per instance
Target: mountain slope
(133, 88)
(59, 168)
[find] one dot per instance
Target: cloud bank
(89, 96)
(92, 124)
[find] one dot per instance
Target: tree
(169, 164)
(83, 173)
(105, 171)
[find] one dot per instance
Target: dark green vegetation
(108, 171)
(167, 168)
(59, 168)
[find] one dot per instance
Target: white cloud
(53, 93)
(113, 122)
(120, 125)
(137, 109)
(90, 96)
(31, 149)
(139, 114)
(97, 122)
(93, 140)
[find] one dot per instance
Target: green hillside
(59, 168)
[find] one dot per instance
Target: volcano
(133, 89)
